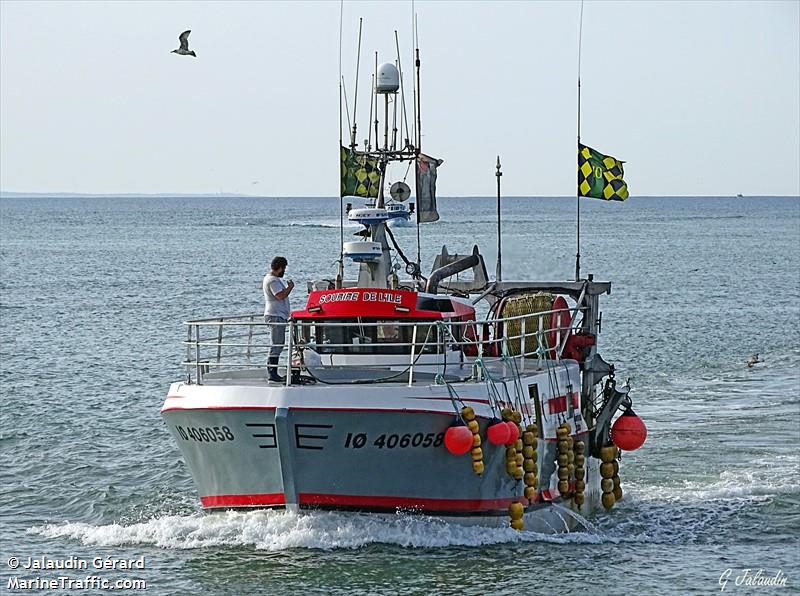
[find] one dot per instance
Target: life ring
(560, 321)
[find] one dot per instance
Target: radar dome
(388, 78)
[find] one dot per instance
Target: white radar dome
(388, 78)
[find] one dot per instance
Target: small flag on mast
(426, 188)
(600, 176)
(361, 176)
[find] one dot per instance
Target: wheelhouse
(381, 322)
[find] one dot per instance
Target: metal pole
(375, 93)
(355, 98)
(418, 146)
(198, 370)
(386, 122)
(499, 271)
(413, 349)
(250, 336)
(340, 272)
(402, 92)
(290, 347)
(578, 190)
(219, 341)
(419, 118)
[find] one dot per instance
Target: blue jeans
(277, 334)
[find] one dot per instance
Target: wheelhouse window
(374, 336)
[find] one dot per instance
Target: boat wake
(685, 513)
(279, 531)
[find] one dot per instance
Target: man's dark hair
(278, 263)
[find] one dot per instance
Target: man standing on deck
(276, 312)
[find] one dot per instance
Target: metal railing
(238, 346)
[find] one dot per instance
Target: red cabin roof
(382, 304)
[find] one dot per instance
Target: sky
(698, 98)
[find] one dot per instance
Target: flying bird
(184, 49)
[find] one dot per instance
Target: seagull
(753, 361)
(184, 49)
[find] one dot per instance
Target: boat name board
(363, 296)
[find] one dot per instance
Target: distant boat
(739, 196)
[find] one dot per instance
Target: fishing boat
(450, 394)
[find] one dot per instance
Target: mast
(340, 267)
(418, 144)
(499, 270)
(578, 190)
(373, 253)
(355, 97)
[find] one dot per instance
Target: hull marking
(264, 431)
(302, 440)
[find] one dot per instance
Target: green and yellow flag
(361, 175)
(600, 176)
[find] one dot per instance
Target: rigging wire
(346, 109)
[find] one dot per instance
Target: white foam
(680, 512)
(758, 479)
(280, 530)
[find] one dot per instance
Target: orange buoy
(513, 431)
(498, 433)
(629, 431)
(458, 439)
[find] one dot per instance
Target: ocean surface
(93, 292)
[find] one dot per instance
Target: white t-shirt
(274, 306)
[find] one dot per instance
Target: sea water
(93, 295)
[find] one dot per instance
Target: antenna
(369, 127)
(375, 93)
(499, 271)
(417, 135)
(578, 191)
(402, 90)
(419, 92)
(355, 97)
(394, 121)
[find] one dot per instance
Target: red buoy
(628, 432)
(458, 439)
(498, 433)
(513, 432)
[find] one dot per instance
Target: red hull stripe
(312, 409)
(243, 500)
(367, 502)
(221, 408)
(464, 399)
